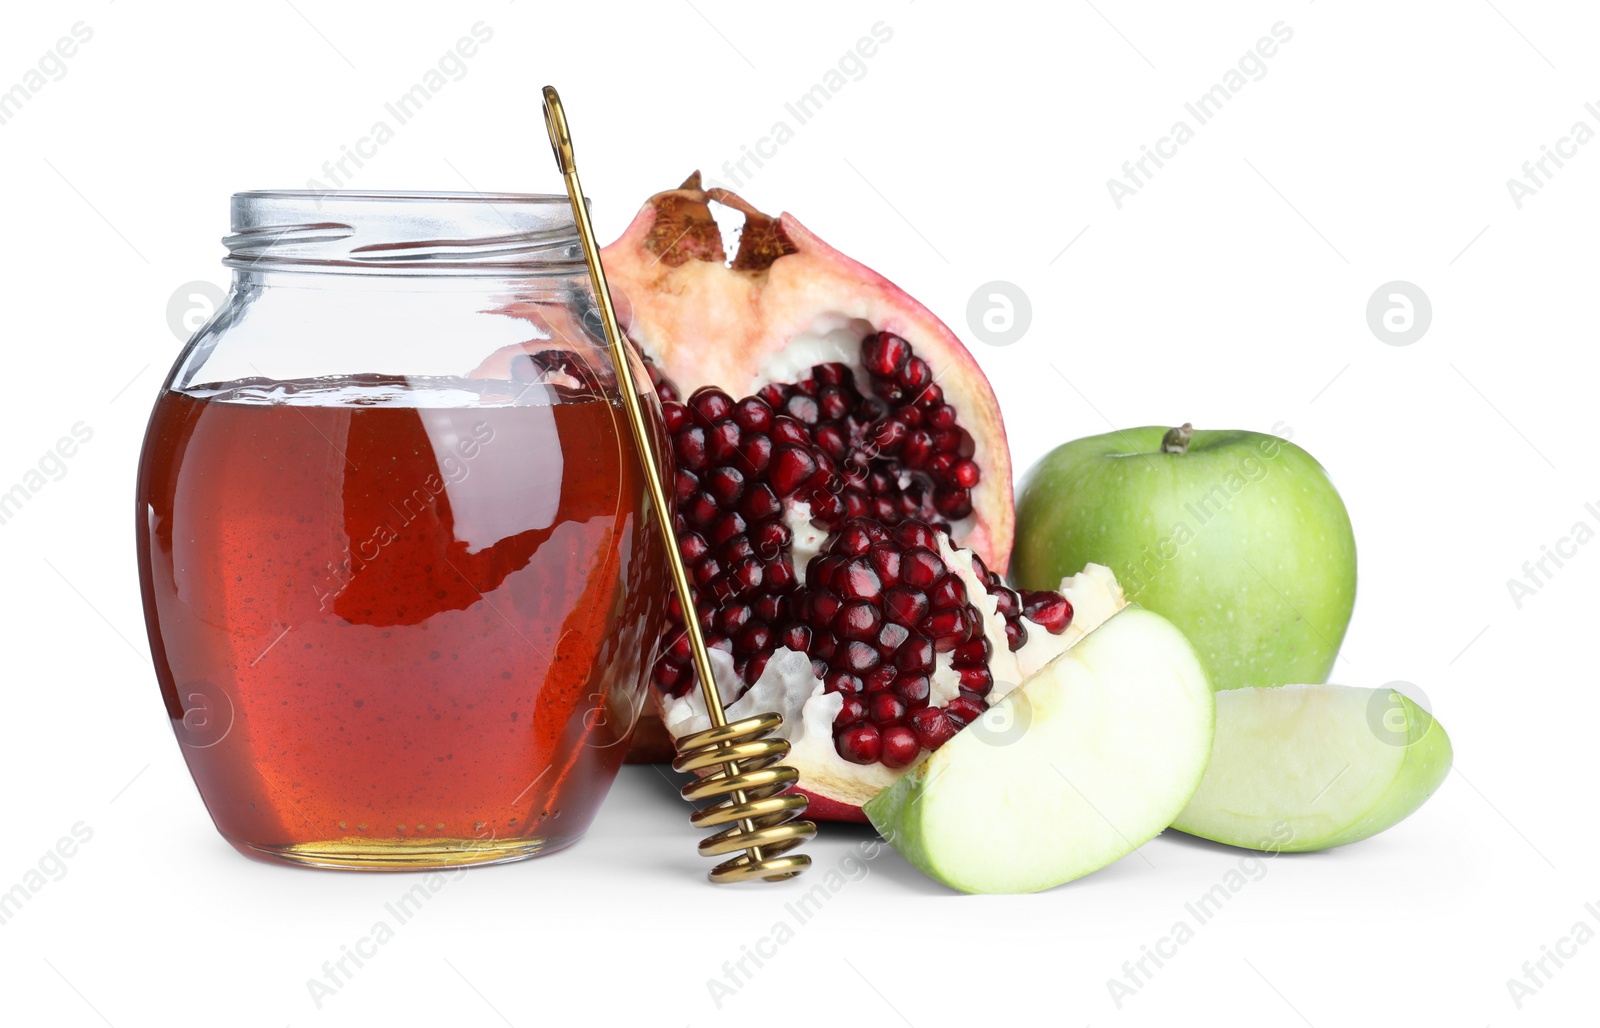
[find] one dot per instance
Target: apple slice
(1087, 760)
(1307, 767)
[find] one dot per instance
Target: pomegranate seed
(729, 620)
(803, 409)
(965, 474)
(975, 652)
(1016, 635)
(852, 711)
(950, 592)
(842, 681)
(885, 708)
(690, 448)
(881, 677)
(915, 657)
(1049, 610)
(891, 637)
(858, 581)
(858, 657)
(857, 620)
(886, 562)
(711, 403)
(905, 606)
(791, 468)
(899, 746)
(966, 709)
(861, 744)
(754, 414)
(978, 679)
(797, 638)
(933, 728)
(914, 689)
(884, 353)
(756, 453)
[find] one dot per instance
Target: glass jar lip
(404, 232)
(411, 195)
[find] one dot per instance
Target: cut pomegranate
(830, 438)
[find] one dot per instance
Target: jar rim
(417, 195)
(406, 232)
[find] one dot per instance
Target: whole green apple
(1238, 538)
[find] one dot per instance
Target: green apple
(1238, 537)
(1084, 762)
(1306, 767)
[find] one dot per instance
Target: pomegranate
(832, 441)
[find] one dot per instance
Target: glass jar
(400, 572)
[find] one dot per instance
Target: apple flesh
(1083, 763)
(1308, 767)
(1239, 538)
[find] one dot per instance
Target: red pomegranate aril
(711, 403)
(905, 606)
(932, 727)
(857, 619)
(755, 453)
(966, 709)
(949, 628)
(1049, 610)
(915, 533)
(891, 637)
(899, 746)
(977, 651)
(834, 403)
(790, 469)
(949, 592)
(690, 448)
(979, 679)
(852, 540)
(761, 504)
(858, 657)
(966, 474)
(853, 711)
(914, 689)
(858, 581)
(796, 637)
(921, 568)
(885, 708)
(730, 620)
(726, 527)
(701, 510)
(886, 562)
(753, 414)
(675, 416)
(1016, 635)
(779, 574)
(842, 681)
(862, 744)
(884, 353)
(915, 657)
(881, 677)
(802, 408)
(824, 607)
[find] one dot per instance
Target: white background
(1229, 291)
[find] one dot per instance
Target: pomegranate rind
(708, 323)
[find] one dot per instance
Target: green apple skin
(1083, 763)
(1242, 542)
(1309, 767)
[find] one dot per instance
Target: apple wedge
(1309, 767)
(1088, 759)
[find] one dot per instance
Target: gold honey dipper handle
(741, 761)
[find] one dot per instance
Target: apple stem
(1177, 439)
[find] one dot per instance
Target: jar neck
(412, 236)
